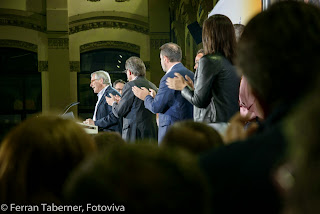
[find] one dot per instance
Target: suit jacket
(105, 119)
(138, 122)
(169, 103)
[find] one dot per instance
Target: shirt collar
(102, 91)
(172, 67)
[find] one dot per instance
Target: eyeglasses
(94, 80)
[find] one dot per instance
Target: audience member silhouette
(193, 136)
(143, 179)
(279, 57)
(106, 139)
(37, 156)
(300, 175)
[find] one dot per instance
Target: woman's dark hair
(218, 36)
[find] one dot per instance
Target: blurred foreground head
(301, 177)
(143, 178)
(104, 140)
(195, 137)
(278, 53)
(38, 155)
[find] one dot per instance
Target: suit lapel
(102, 98)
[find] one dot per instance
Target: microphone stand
(69, 106)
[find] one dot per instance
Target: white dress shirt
(171, 68)
(99, 98)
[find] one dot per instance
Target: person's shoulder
(212, 58)
(217, 60)
(226, 157)
(112, 89)
(190, 73)
(187, 72)
(128, 85)
(180, 68)
(266, 144)
(153, 86)
(150, 83)
(140, 80)
(221, 59)
(131, 83)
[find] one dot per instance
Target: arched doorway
(20, 86)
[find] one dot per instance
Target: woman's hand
(189, 82)
(176, 83)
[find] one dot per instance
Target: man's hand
(118, 98)
(89, 121)
(236, 131)
(110, 100)
(176, 83)
(140, 93)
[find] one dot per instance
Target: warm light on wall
(239, 12)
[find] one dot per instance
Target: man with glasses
(103, 116)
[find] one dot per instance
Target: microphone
(69, 106)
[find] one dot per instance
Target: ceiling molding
(110, 44)
(108, 22)
(8, 43)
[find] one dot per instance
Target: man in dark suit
(138, 122)
(103, 116)
(169, 103)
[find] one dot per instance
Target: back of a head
(238, 29)
(143, 178)
(172, 51)
(200, 51)
(218, 36)
(37, 156)
(193, 136)
(278, 52)
(106, 139)
(136, 66)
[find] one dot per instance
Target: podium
(90, 129)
